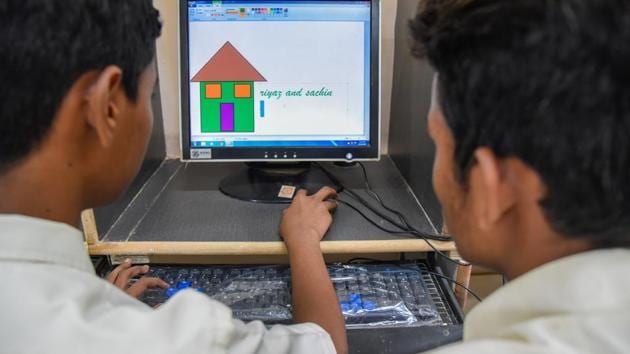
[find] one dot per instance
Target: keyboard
(369, 295)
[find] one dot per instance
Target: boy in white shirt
(76, 79)
(531, 122)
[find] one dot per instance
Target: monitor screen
(279, 80)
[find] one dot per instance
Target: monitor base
(275, 183)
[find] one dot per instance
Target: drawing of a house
(227, 92)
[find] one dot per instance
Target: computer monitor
(280, 81)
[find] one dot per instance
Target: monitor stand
(275, 183)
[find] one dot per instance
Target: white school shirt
(577, 304)
(51, 301)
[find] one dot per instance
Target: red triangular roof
(228, 65)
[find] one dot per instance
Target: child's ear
(103, 104)
(496, 192)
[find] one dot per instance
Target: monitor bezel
(284, 154)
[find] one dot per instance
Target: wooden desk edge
(260, 248)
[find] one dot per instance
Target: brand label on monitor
(201, 154)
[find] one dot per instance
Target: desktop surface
(182, 203)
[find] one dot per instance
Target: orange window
(213, 91)
(242, 91)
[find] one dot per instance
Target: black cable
(410, 230)
(456, 283)
(375, 195)
(401, 233)
(368, 219)
(407, 229)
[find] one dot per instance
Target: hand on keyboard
(368, 295)
(123, 278)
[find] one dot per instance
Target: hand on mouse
(303, 226)
(122, 275)
(308, 218)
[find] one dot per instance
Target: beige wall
(169, 75)
(167, 47)
(388, 26)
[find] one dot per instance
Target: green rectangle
(211, 109)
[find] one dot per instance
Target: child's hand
(308, 218)
(121, 275)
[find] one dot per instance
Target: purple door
(227, 117)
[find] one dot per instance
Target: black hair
(548, 82)
(47, 45)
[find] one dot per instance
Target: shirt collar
(27, 239)
(585, 283)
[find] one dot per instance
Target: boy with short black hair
(531, 122)
(76, 78)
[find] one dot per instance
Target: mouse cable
(405, 231)
(400, 215)
(368, 188)
(393, 232)
(410, 230)
(371, 221)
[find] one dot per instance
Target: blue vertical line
(262, 109)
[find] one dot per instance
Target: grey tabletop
(182, 202)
